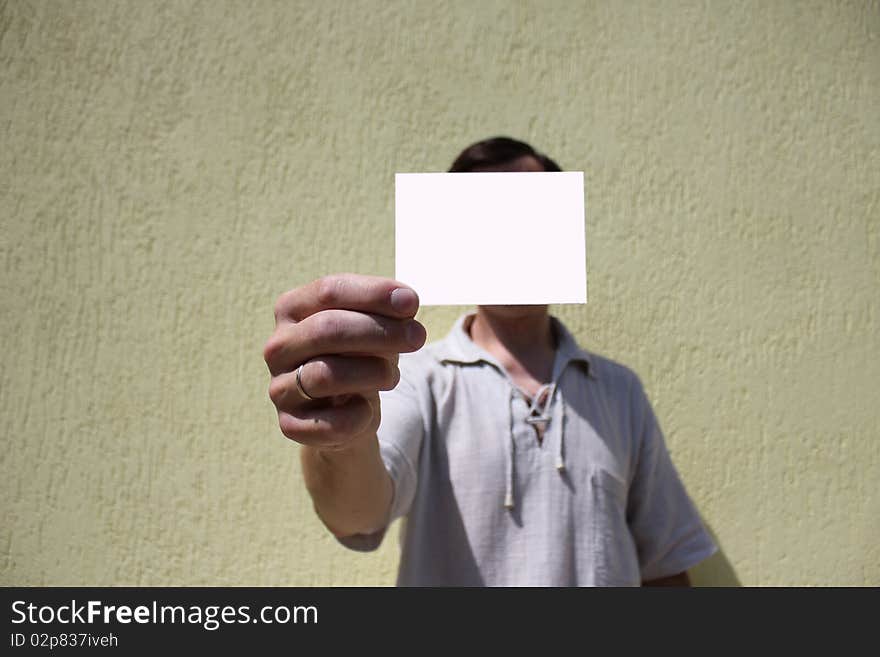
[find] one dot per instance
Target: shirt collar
(460, 349)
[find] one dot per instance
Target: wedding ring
(299, 384)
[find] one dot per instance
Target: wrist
(354, 450)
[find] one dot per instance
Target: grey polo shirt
(596, 502)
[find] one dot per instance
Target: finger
(331, 376)
(393, 358)
(330, 427)
(340, 332)
(371, 294)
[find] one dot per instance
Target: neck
(519, 340)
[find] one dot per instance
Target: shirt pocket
(613, 549)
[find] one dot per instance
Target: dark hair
(498, 150)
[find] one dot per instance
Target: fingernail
(403, 300)
(415, 334)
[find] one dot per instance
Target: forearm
(350, 488)
(680, 579)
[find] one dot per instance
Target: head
(504, 154)
(501, 154)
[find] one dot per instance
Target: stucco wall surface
(168, 168)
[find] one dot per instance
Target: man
(516, 457)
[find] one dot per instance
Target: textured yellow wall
(167, 169)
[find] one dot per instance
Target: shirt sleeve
(401, 433)
(667, 529)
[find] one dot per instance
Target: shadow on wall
(716, 570)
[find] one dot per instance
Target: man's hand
(345, 332)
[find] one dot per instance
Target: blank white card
(491, 238)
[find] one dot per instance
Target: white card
(491, 238)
